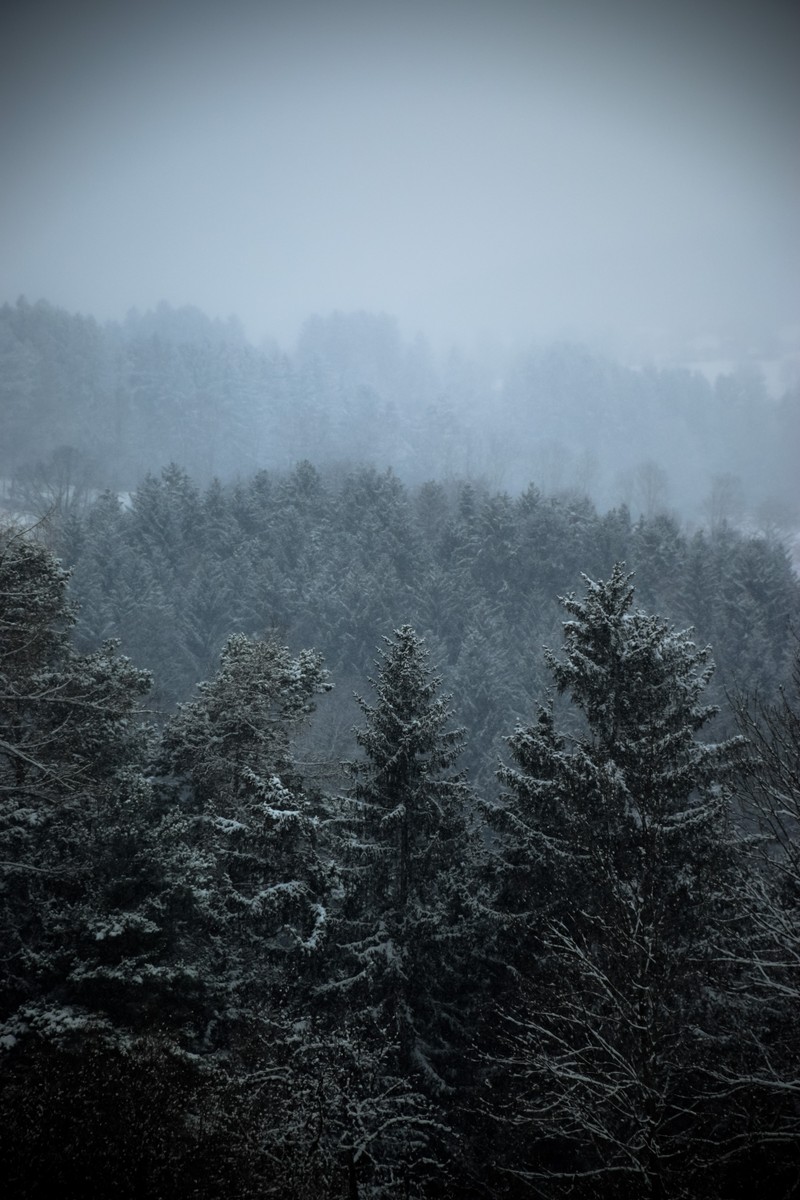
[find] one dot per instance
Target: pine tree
(227, 766)
(404, 847)
(766, 1076)
(226, 761)
(413, 824)
(93, 998)
(68, 746)
(616, 861)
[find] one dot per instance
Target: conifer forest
(392, 805)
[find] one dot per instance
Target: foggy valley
(112, 403)
(399, 600)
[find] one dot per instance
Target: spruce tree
(411, 836)
(226, 763)
(95, 1086)
(404, 845)
(227, 768)
(615, 861)
(766, 1076)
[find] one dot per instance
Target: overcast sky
(500, 169)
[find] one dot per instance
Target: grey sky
(509, 169)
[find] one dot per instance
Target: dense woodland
(248, 953)
(368, 835)
(336, 561)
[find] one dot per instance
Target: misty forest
(399, 768)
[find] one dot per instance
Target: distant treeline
(86, 406)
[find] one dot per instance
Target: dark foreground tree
(227, 764)
(95, 1090)
(766, 1078)
(616, 861)
(404, 844)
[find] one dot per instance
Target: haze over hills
(501, 178)
(172, 385)
(607, 172)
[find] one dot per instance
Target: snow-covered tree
(226, 761)
(330, 1116)
(93, 997)
(615, 862)
(226, 767)
(68, 751)
(410, 842)
(404, 847)
(766, 1076)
